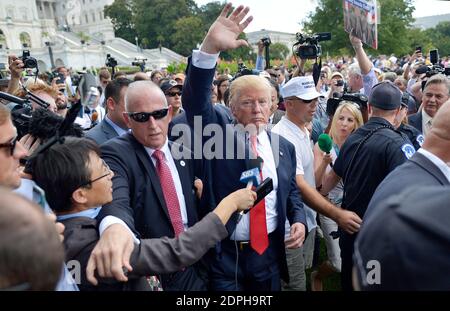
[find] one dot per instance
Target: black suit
(417, 171)
(137, 194)
(415, 120)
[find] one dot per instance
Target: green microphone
(325, 144)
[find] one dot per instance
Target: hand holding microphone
(325, 144)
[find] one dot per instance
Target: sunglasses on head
(145, 116)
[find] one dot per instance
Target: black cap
(386, 96)
(168, 85)
(407, 239)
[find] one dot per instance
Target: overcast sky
(284, 15)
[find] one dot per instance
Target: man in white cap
(300, 96)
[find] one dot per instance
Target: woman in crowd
(346, 120)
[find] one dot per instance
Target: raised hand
(223, 33)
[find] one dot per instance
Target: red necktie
(169, 191)
(258, 228)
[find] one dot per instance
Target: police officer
(366, 158)
(414, 135)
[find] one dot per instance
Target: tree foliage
(185, 41)
(440, 37)
(121, 14)
(279, 51)
(396, 18)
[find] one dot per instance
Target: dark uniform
(380, 150)
(414, 135)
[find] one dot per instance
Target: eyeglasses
(11, 145)
(106, 168)
(173, 94)
(302, 100)
(142, 117)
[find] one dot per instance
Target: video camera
(357, 98)
(435, 68)
(28, 61)
(244, 71)
(139, 62)
(110, 61)
(307, 47)
(266, 41)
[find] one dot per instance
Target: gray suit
(417, 171)
(150, 257)
(277, 115)
(102, 132)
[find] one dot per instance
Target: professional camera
(244, 71)
(266, 41)
(307, 47)
(435, 68)
(139, 62)
(110, 61)
(357, 98)
(28, 61)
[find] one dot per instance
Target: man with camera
(366, 158)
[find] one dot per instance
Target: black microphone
(13, 98)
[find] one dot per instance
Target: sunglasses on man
(11, 145)
(173, 94)
(142, 117)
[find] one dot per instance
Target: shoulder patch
(408, 150)
(420, 140)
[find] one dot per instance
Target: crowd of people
(141, 182)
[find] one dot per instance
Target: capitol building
(72, 33)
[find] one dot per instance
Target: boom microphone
(12, 98)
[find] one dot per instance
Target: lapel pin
(182, 163)
(281, 153)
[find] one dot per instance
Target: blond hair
(354, 110)
(248, 82)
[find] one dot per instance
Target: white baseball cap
(301, 87)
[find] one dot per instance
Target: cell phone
(61, 79)
(340, 83)
(434, 57)
(262, 191)
(419, 48)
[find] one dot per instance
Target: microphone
(251, 178)
(13, 98)
(325, 144)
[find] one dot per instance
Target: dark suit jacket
(415, 120)
(221, 176)
(417, 171)
(101, 133)
(137, 194)
(150, 257)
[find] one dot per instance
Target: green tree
(121, 14)
(440, 36)
(209, 12)
(396, 17)
(155, 19)
(279, 51)
(188, 34)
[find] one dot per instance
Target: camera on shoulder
(307, 47)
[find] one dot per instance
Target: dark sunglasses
(11, 145)
(145, 116)
(173, 94)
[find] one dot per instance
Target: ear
(110, 103)
(79, 196)
(126, 118)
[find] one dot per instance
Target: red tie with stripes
(169, 191)
(259, 240)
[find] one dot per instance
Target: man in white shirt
(300, 96)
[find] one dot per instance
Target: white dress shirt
(445, 169)
(426, 120)
(242, 232)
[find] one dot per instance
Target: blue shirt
(120, 131)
